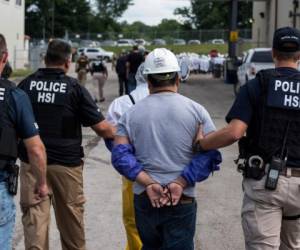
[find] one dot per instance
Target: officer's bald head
(3, 46)
(58, 53)
(3, 53)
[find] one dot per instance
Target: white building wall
(259, 35)
(264, 27)
(12, 26)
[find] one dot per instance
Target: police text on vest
(290, 92)
(2, 92)
(46, 90)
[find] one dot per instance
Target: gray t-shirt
(162, 128)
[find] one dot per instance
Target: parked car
(125, 42)
(109, 43)
(159, 42)
(254, 61)
(94, 53)
(179, 42)
(141, 42)
(194, 42)
(218, 41)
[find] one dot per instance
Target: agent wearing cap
(153, 146)
(61, 107)
(267, 113)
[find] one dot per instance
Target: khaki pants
(99, 80)
(133, 238)
(82, 76)
(262, 212)
(66, 195)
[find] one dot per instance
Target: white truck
(96, 53)
(254, 60)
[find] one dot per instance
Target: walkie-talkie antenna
(285, 139)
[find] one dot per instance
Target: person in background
(82, 68)
(134, 60)
(99, 72)
(121, 72)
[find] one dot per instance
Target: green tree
(136, 30)
(108, 12)
(56, 16)
(214, 15)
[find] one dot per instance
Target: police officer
(61, 107)
(82, 67)
(267, 109)
(16, 121)
(100, 74)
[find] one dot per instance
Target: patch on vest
(284, 93)
(49, 92)
(2, 92)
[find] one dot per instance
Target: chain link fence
(203, 36)
(37, 48)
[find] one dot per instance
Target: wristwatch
(197, 148)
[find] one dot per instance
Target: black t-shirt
(78, 104)
(135, 59)
(121, 66)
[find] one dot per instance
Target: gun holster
(12, 180)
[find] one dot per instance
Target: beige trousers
(263, 211)
(99, 80)
(82, 76)
(66, 195)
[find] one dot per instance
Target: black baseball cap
(286, 39)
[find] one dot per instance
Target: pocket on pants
(249, 220)
(7, 206)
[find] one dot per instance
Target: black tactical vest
(8, 135)
(276, 116)
(98, 67)
(51, 97)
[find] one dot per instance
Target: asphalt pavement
(219, 198)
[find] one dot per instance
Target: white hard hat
(160, 61)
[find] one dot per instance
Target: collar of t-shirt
(51, 71)
(287, 70)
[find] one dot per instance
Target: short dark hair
(58, 52)
(157, 80)
(3, 45)
(135, 47)
(286, 56)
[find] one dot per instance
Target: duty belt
(290, 172)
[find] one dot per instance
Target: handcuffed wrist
(150, 184)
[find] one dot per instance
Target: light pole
(233, 28)
(53, 18)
